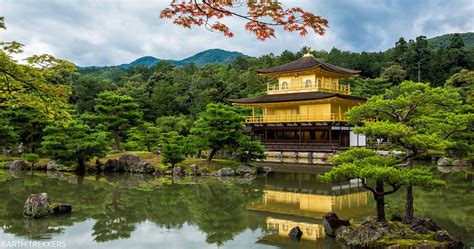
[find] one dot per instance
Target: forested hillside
(443, 41)
(171, 97)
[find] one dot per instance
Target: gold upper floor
(312, 82)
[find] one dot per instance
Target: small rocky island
(421, 233)
(38, 206)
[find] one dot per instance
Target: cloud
(106, 32)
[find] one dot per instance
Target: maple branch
(238, 15)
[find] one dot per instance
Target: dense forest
(132, 106)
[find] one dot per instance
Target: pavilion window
(284, 85)
(308, 84)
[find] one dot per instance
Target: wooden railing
(315, 86)
(296, 118)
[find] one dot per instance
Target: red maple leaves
(262, 17)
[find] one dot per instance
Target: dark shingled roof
(288, 97)
(305, 63)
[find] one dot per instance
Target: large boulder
(226, 172)
(343, 232)
(37, 206)
(17, 165)
(113, 165)
(242, 170)
(368, 233)
(129, 158)
(128, 163)
(61, 208)
(331, 222)
(295, 233)
(444, 161)
(177, 170)
(141, 167)
(427, 223)
(53, 165)
(194, 169)
(452, 241)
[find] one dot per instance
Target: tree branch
(395, 187)
(238, 15)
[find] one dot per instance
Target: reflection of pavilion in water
(305, 201)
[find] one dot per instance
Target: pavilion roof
(307, 63)
(289, 97)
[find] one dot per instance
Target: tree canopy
(116, 112)
(375, 172)
(418, 118)
(219, 125)
(76, 142)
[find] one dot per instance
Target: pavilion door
(344, 139)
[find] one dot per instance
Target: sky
(112, 32)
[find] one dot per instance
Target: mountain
(442, 41)
(202, 58)
(147, 61)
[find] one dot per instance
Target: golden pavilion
(306, 109)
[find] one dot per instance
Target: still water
(141, 211)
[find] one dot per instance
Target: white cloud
(110, 32)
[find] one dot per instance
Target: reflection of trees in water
(216, 208)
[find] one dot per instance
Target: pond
(142, 211)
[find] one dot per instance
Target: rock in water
(331, 222)
(17, 165)
(295, 233)
(226, 172)
(242, 170)
(177, 170)
(53, 165)
(444, 161)
(61, 208)
(37, 206)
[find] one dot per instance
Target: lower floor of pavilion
(306, 136)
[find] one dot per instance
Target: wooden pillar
(339, 112)
(266, 134)
(340, 136)
(299, 133)
(264, 118)
(330, 134)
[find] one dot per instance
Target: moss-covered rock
(372, 233)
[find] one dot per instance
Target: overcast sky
(110, 32)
